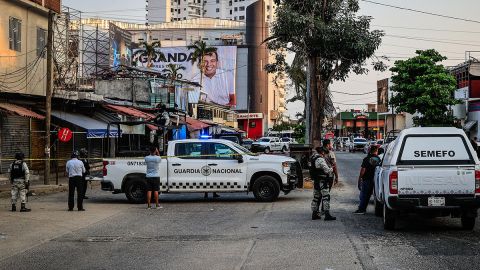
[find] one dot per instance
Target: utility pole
(48, 97)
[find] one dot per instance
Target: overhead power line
(423, 12)
(353, 94)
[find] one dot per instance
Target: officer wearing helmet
(19, 177)
(86, 164)
(75, 171)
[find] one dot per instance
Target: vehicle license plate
(436, 201)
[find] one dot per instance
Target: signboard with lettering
(65, 134)
(241, 116)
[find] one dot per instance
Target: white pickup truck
(269, 144)
(196, 165)
(429, 171)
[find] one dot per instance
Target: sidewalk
(36, 186)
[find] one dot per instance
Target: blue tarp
(95, 128)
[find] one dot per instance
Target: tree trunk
(317, 101)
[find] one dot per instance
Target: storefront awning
(21, 111)
(95, 128)
(194, 124)
(129, 111)
(469, 125)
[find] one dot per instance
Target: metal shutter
(15, 137)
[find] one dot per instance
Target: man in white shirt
(218, 84)
(75, 171)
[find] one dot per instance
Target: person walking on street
(153, 175)
(20, 180)
(75, 171)
(320, 173)
(365, 179)
(86, 164)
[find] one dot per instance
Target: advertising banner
(217, 77)
(120, 46)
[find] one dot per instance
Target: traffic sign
(65, 134)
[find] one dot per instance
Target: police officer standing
(86, 164)
(75, 171)
(19, 177)
(320, 173)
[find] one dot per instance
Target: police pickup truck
(429, 171)
(196, 165)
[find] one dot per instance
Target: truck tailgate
(424, 181)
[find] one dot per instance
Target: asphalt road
(235, 232)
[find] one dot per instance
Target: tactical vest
(316, 173)
(17, 171)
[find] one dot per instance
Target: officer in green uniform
(19, 177)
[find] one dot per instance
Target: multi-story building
(23, 70)
(177, 10)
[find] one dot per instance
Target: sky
(403, 29)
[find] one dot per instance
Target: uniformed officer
(75, 171)
(320, 173)
(86, 164)
(19, 177)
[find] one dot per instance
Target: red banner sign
(65, 134)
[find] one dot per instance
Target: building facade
(159, 11)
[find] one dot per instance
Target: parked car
(429, 171)
(247, 143)
(376, 143)
(269, 144)
(357, 145)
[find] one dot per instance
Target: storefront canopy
(94, 127)
(194, 124)
(129, 111)
(19, 110)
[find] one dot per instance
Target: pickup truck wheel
(136, 191)
(267, 150)
(378, 207)
(468, 223)
(266, 189)
(388, 218)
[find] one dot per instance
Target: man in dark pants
(320, 173)
(153, 176)
(365, 179)
(86, 164)
(75, 171)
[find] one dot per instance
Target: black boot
(328, 216)
(14, 208)
(316, 215)
(24, 209)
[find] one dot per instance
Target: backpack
(315, 173)
(16, 171)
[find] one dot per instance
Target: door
(226, 173)
(276, 144)
(186, 170)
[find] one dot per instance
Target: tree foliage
(423, 86)
(332, 38)
(149, 51)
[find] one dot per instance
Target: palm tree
(172, 71)
(200, 49)
(149, 52)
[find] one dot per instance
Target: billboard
(217, 77)
(382, 95)
(120, 46)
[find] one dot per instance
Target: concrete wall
(241, 79)
(32, 82)
(122, 89)
(158, 11)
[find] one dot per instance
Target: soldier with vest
(321, 173)
(86, 164)
(19, 177)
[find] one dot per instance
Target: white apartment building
(159, 11)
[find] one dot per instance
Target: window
(241, 8)
(179, 38)
(218, 10)
(221, 151)
(205, 38)
(218, 1)
(41, 42)
(189, 150)
(235, 9)
(268, 7)
(15, 34)
(241, 18)
(230, 12)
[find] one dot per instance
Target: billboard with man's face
(217, 77)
